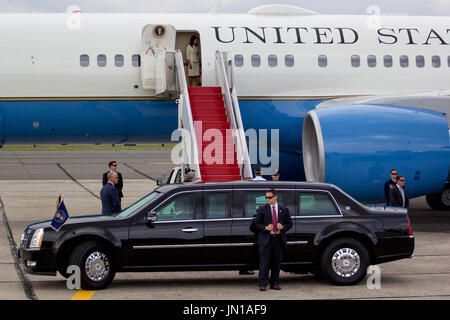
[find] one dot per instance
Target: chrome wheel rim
(97, 266)
(446, 197)
(346, 262)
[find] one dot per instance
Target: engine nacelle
(355, 147)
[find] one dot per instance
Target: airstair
(213, 139)
(210, 128)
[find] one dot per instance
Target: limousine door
(174, 239)
(217, 226)
(316, 210)
(245, 205)
(243, 240)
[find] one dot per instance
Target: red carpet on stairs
(216, 148)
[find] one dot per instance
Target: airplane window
(118, 60)
(356, 61)
(372, 61)
(436, 61)
(289, 60)
(272, 60)
(388, 61)
(420, 61)
(323, 60)
(404, 61)
(256, 60)
(101, 60)
(448, 61)
(136, 60)
(84, 60)
(239, 60)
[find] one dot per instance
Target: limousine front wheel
(345, 261)
(95, 263)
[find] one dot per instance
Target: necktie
(274, 220)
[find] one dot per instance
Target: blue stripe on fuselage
(118, 120)
(287, 116)
(92, 121)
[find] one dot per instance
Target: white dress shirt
(403, 195)
(259, 178)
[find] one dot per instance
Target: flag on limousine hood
(61, 214)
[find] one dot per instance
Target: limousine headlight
(36, 240)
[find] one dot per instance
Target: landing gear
(440, 200)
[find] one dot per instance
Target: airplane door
(155, 41)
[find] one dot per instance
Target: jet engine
(356, 146)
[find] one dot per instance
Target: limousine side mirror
(151, 217)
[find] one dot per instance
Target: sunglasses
(401, 180)
(269, 197)
(394, 173)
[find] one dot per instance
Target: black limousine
(207, 227)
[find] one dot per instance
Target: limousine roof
(247, 183)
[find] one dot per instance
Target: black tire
(62, 271)
(95, 263)
(445, 197)
(433, 201)
(440, 200)
(344, 262)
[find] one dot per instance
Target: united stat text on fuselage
(328, 35)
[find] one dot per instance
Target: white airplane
(353, 96)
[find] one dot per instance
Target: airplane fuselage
(284, 67)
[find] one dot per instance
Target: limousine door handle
(189, 230)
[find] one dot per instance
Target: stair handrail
(185, 120)
(237, 110)
(234, 115)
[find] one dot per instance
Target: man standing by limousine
(272, 222)
(109, 195)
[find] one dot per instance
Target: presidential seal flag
(61, 214)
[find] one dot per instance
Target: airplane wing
(435, 101)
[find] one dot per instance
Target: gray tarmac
(60, 165)
(31, 180)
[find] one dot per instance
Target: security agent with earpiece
(397, 195)
(271, 223)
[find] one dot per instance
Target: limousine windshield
(139, 204)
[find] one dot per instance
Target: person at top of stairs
(193, 61)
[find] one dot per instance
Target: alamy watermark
(374, 278)
(74, 279)
(218, 146)
(374, 20)
(73, 20)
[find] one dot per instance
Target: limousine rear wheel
(345, 261)
(95, 263)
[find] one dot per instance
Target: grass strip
(165, 146)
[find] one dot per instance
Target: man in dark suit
(276, 175)
(271, 223)
(397, 194)
(113, 168)
(388, 185)
(110, 195)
